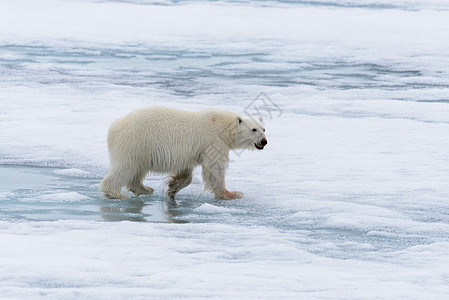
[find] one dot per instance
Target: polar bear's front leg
(213, 171)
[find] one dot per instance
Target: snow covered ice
(349, 199)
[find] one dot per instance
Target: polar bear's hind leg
(178, 182)
(136, 186)
(112, 184)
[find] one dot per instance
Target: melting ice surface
(44, 194)
(349, 199)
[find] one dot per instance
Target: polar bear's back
(164, 139)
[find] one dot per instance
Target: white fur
(165, 140)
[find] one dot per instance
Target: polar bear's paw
(227, 195)
(142, 190)
(116, 196)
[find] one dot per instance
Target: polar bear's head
(250, 133)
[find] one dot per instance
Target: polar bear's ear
(260, 119)
(238, 120)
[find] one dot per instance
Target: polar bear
(166, 140)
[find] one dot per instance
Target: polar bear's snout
(261, 144)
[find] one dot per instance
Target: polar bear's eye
(254, 129)
(264, 130)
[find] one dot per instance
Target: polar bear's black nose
(264, 142)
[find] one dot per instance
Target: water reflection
(142, 210)
(173, 211)
(46, 194)
(129, 211)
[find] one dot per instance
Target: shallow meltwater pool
(45, 194)
(29, 193)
